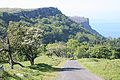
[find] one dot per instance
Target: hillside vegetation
(26, 35)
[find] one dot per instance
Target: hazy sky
(102, 13)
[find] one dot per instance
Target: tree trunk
(32, 62)
(9, 52)
(11, 62)
(31, 56)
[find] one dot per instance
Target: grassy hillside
(45, 68)
(107, 69)
(56, 25)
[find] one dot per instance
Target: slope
(56, 25)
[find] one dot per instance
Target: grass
(107, 69)
(45, 68)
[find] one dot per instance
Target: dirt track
(73, 71)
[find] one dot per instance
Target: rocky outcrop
(85, 23)
(31, 13)
(12, 15)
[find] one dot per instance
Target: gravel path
(73, 71)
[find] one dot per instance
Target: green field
(45, 68)
(107, 69)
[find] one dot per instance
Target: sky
(104, 15)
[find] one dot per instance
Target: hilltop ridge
(56, 25)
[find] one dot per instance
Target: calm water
(107, 29)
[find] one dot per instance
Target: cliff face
(44, 12)
(85, 23)
(14, 14)
(51, 20)
(19, 14)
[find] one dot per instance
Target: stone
(1, 71)
(1, 67)
(20, 75)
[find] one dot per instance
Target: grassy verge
(45, 68)
(107, 69)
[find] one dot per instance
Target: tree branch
(1, 50)
(19, 64)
